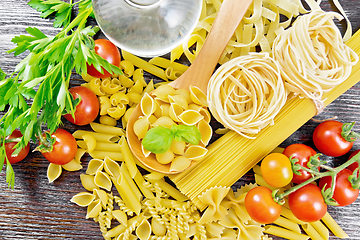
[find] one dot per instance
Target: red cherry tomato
(276, 170)
(261, 206)
(328, 140)
(9, 148)
(64, 148)
(354, 165)
(344, 194)
(303, 153)
(307, 203)
(107, 50)
(88, 108)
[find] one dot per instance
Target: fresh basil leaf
(189, 134)
(158, 140)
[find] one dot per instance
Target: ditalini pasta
(246, 93)
(316, 61)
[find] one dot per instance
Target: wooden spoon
(198, 74)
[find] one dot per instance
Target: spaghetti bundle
(246, 93)
(313, 56)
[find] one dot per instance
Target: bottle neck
(143, 3)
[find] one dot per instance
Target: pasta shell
(197, 96)
(180, 100)
(164, 121)
(195, 107)
(190, 117)
(120, 216)
(152, 119)
(90, 142)
(147, 105)
(164, 109)
(53, 172)
(164, 90)
(195, 152)
(73, 165)
(157, 227)
(205, 131)
(174, 111)
(178, 147)
(141, 126)
(179, 164)
(103, 180)
(185, 93)
(206, 114)
(165, 158)
(83, 199)
(111, 167)
(143, 231)
(144, 151)
(87, 181)
(93, 209)
(158, 110)
(94, 166)
(102, 195)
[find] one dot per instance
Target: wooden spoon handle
(228, 18)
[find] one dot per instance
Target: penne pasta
(124, 171)
(117, 156)
(101, 137)
(101, 146)
(321, 229)
(140, 63)
(333, 226)
(311, 231)
(288, 224)
(169, 189)
(128, 157)
(101, 128)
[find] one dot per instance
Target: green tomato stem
(317, 175)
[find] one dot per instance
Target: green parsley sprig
(43, 76)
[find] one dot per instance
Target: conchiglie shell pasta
(94, 209)
(174, 111)
(195, 152)
(165, 108)
(103, 180)
(179, 100)
(111, 167)
(190, 117)
(164, 121)
(163, 91)
(143, 231)
(141, 126)
(205, 131)
(144, 151)
(73, 165)
(197, 96)
(147, 105)
(94, 166)
(87, 181)
(120, 216)
(178, 147)
(102, 195)
(53, 172)
(206, 114)
(165, 158)
(185, 93)
(83, 199)
(179, 164)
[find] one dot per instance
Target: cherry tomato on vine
(9, 148)
(261, 206)
(354, 165)
(303, 153)
(276, 170)
(64, 148)
(344, 194)
(307, 203)
(107, 50)
(88, 108)
(328, 139)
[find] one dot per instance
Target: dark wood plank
(36, 209)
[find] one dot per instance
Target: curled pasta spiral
(246, 93)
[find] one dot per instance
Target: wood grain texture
(36, 209)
